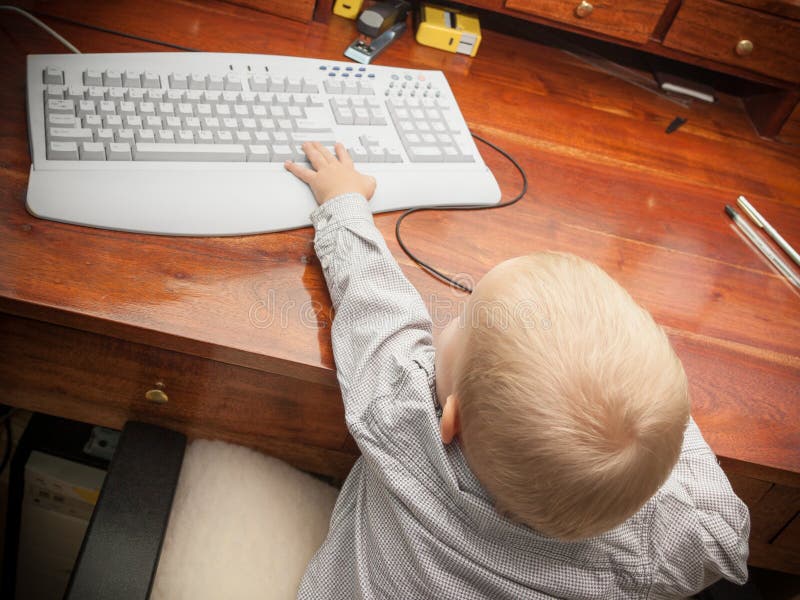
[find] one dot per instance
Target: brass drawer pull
(157, 395)
(744, 47)
(584, 9)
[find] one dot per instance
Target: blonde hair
(572, 403)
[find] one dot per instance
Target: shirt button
(322, 222)
(324, 262)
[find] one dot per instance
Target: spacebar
(190, 152)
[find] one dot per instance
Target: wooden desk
(235, 331)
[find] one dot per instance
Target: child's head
(568, 398)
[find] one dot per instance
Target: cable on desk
(126, 35)
(425, 266)
(28, 15)
(94, 27)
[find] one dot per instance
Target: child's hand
(331, 176)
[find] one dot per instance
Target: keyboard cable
(28, 15)
(93, 27)
(424, 265)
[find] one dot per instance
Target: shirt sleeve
(380, 323)
(703, 533)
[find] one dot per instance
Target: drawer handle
(584, 9)
(744, 48)
(157, 395)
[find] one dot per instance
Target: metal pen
(759, 243)
(764, 224)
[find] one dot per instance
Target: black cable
(119, 33)
(428, 268)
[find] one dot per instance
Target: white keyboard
(194, 143)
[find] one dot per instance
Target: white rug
(243, 525)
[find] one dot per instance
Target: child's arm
(380, 323)
(706, 535)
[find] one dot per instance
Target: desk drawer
(107, 381)
(721, 32)
(632, 20)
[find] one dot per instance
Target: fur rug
(243, 525)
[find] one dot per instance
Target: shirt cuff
(339, 210)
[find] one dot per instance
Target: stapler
(379, 25)
(379, 17)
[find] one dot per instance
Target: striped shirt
(412, 521)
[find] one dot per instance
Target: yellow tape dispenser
(448, 29)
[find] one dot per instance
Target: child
(577, 473)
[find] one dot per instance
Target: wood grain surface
(606, 182)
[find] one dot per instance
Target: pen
(765, 249)
(762, 222)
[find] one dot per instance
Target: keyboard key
(173, 123)
(229, 123)
(258, 153)
(204, 137)
(393, 155)
(258, 83)
(115, 94)
(53, 75)
(190, 152)
(112, 77)
(233, 82)
(223, 136)
(54, 92)
(62, 107)
(191, 123)
(62, 151)
(131, 79)
(197, 81)
(59, 120)
(310, 125)
(86, 107)
(93, 122)
(135, 95)
(124, 135)
(151, 80)
(92, 151)
(360, 116)
(178, 81)
(75, 93)
(300, 137)
(277, 84)
(165, 136)
(70, 134)
(145, 135)
(376, 154)
(127, 109)
(174, 96)
(103, 135)
(282, 152)
(343, 116)
(214, 82)
(119, 151)
(106, 107)
(359, 154)
(92, 77)
(132, 122)
(425, 154)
